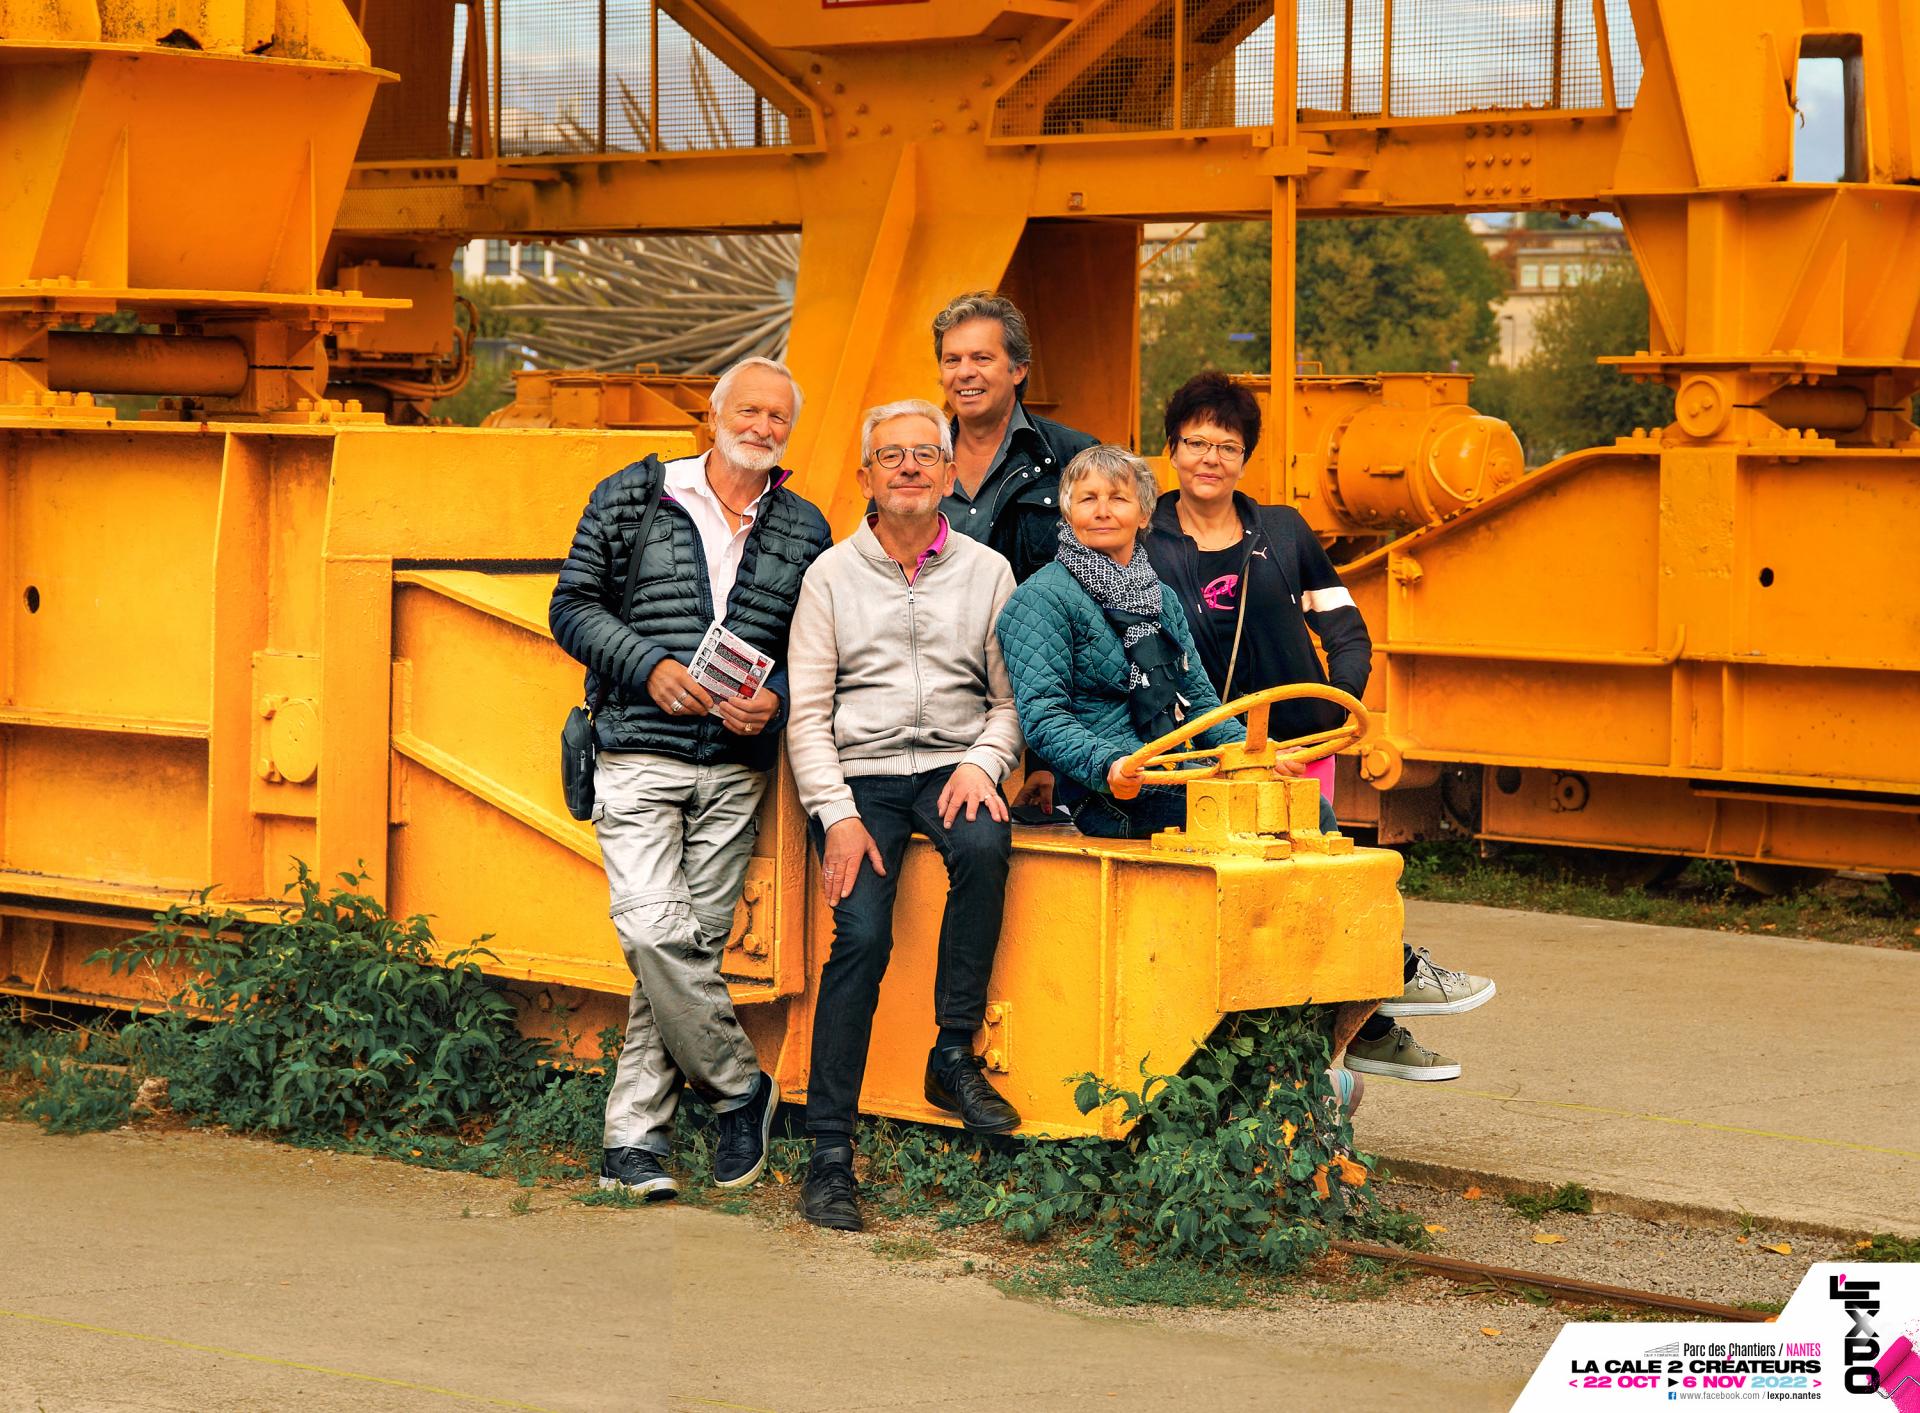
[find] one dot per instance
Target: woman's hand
(1286, 768)
(1123, 779)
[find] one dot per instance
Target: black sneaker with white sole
(741, 1155)
(637, 1171)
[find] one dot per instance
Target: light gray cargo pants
(675, 838)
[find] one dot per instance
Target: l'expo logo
(1861, 1347)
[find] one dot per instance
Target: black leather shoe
(957, 1082)
(830, 1197)
(741, 1154)
(638, 1171)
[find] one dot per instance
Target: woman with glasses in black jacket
(1258, 590)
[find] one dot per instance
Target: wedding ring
(674, 705)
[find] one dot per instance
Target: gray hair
(718, 398)
(984, 304)
(1116, 463)
(909, 407)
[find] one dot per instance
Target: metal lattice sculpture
(685, 304)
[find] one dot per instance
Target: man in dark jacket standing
(1007, 461)
(680, 776)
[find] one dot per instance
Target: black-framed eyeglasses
(890, 458)
(1226, 451)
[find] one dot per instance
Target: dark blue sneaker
(741, 1155)
(637, 1171)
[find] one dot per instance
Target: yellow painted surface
(264, 625)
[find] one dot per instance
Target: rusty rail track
(1564, 1287)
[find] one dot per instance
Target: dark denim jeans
(976, 853)
(1155, 808)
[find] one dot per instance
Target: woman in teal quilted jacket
(1101, 657)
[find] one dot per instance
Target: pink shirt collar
(939, 538)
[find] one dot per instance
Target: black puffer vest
(672, 607)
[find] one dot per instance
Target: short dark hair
(1216, 398)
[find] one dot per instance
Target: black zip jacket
(1022, 504)
(1294, 588)
(672, 608)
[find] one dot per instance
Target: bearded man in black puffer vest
(680, 776)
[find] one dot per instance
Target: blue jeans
(977, 854)
(1153, 809)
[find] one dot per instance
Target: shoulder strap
(1254, 537)
(640, 544)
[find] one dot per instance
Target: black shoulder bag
(576, 735)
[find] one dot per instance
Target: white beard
(758, 460)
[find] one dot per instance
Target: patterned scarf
(1129, 595)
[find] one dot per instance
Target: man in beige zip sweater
(901, 718)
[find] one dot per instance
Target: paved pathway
(193, 1271)
(1699, 1068)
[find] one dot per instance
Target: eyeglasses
(890, 458)
(1200, 446)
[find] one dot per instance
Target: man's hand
(1286, 768)
(1036, 791)
(748, 717)
(847, 844)
(1123, 779)
(675, 692)
(971, 787)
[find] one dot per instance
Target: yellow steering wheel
(1161, 762)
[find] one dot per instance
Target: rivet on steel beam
(861, 109)
(939, 126)
(853, 132)
(886, 130)
(973, 125)
(839, 87)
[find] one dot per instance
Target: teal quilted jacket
(1070, 677)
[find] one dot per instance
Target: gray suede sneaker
(1436, 991)
(1398, 1055)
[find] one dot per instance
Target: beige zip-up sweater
(889, 677)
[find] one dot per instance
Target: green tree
(1561, 398)
(1370, 296)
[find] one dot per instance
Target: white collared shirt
(719, 541)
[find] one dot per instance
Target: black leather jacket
(1022, 501)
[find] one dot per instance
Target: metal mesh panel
(1226, 67)
(1115, 72)
(1460, 56)
(572, 76)
(704, 104)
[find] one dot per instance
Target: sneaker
(638, 1171)
(741, 1155)
(1347, 1089)
(957, 1082)
(1399, 1056)
(830, 1197)
(1436, 991)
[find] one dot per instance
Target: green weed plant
(337, 1025)
(1242, 1160)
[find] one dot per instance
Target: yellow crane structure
(267, 619)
